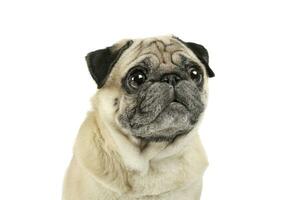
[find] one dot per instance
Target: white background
(251, 129)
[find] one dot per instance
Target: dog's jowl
(140, 141)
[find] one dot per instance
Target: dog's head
(154, 89)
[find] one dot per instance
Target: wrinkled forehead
(164, 52)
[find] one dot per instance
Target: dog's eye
(137, 78)
(195, 74)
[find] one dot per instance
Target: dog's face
(159, 85)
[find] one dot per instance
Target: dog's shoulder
(98, 158)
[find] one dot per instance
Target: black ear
(102, 61)
(201, 53)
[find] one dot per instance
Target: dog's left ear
(102, 61)
(201, 53)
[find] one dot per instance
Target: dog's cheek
(108, 102)
(116, 105)
(124, 109)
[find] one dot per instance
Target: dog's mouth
(171, 122)
(176, 101)
(175, 107)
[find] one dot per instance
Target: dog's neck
(137, 154)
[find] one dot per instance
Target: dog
(140, 140)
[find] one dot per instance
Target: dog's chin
(174, 121)
(162, 138)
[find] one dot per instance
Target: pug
(140, 141)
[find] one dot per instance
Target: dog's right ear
(102, 61)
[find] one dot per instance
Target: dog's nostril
(171, 79)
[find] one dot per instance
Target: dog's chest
(163, 176)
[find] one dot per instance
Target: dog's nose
(171, 78)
